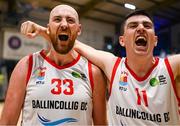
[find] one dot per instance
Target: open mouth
(141, 41)
(63, 37)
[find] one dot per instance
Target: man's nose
(140, 28)
(64, 25)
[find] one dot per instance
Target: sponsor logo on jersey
(154, 81)
(47, 122)
(123, 81)
(79, 75)
(40, 74)
(161, 80)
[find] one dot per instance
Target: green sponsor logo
(153, 82)
(79, 75)
(76, 74)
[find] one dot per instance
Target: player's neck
(60, 59)
(141, 66)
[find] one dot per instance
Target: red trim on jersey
(91, 75)
(168, 66)
(29, 68)
(113, 73)
(148, 73)
(42, 53)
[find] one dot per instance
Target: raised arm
(175, 65)
(102, 59)
(15, 95)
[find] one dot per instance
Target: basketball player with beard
(56, 86)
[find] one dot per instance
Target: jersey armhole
(168, 66)
(113, 73)
(29, 68)
(90, 75)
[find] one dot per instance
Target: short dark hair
(133, 13)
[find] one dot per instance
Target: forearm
(104, 60)
(95, 56)
(11, 109)
(9, 117)
(43, 33)
(83, 48)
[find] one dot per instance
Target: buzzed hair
(134, 13)
(64, 5)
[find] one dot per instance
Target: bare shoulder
(174, 61)
(109, 66)
(22, 65)
(20, 71)
(24, 61)
(174, 58)
(100, 81)
(96, 70)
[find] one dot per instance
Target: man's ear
(80, 28)
(121, 41)
(48, 29)
(156, 41)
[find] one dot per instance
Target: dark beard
(55, 42)
(64, 50)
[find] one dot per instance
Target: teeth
(141, 37)
(63, 34)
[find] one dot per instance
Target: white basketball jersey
(150, 100)
(58, 95)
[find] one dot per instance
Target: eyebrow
(143, 22)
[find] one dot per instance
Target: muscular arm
(99, 97)
(102, 59)
(15, 94)
(175, 64)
